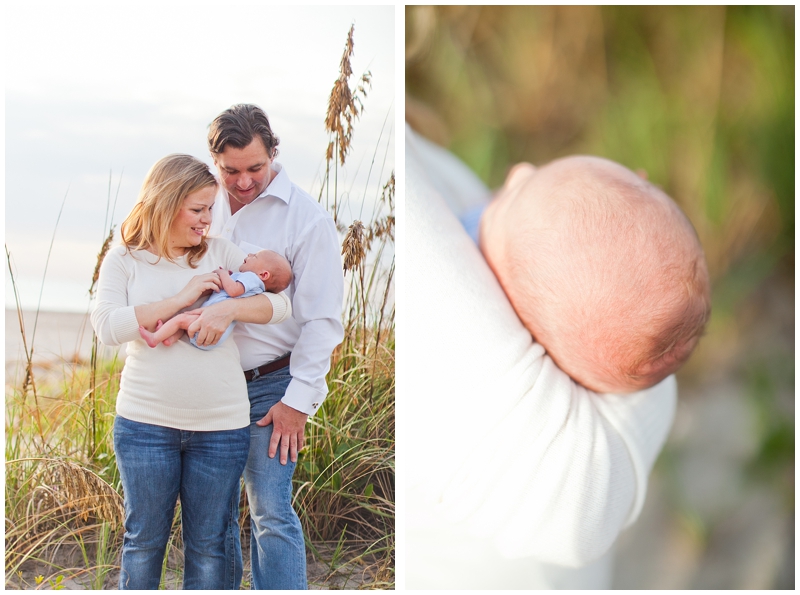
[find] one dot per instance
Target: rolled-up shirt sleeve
(281, 307)
(113, 320)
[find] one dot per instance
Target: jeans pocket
(266, 391)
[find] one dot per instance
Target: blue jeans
(277, 547)
(157, 464)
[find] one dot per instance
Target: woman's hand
(212, 322)
(147, 315)
(215, 319)
(197, 286)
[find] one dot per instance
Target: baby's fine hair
(280, 274)
(612, 281)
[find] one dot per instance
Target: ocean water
(57, 295)
(58, 337)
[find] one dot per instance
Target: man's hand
(211, 322)
(287, 429)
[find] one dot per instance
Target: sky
(98, 92)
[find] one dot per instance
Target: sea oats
(353, 246)
(100, 256)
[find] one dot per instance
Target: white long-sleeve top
(506, 449)
(178, 386)
(289, 221)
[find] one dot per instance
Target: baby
(264, 271)
(601, 267)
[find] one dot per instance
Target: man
(258, 208)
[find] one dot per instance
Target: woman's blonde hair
(166, 186)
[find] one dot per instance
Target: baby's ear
(265, 275)
(518, 174)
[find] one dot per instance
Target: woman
(182, 425)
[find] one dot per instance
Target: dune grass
(63, 499)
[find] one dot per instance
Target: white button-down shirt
(289, 221)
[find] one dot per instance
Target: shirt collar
(280, 186)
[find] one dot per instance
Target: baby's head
(602, 268)
(272, 268)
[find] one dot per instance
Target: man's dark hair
(237, 126)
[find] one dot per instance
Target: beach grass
(63, 499)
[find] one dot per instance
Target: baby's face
(257, 263)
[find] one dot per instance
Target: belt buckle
(256, 374)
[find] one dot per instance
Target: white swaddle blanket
(517, 477)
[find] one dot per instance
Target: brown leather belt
(276, 364)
